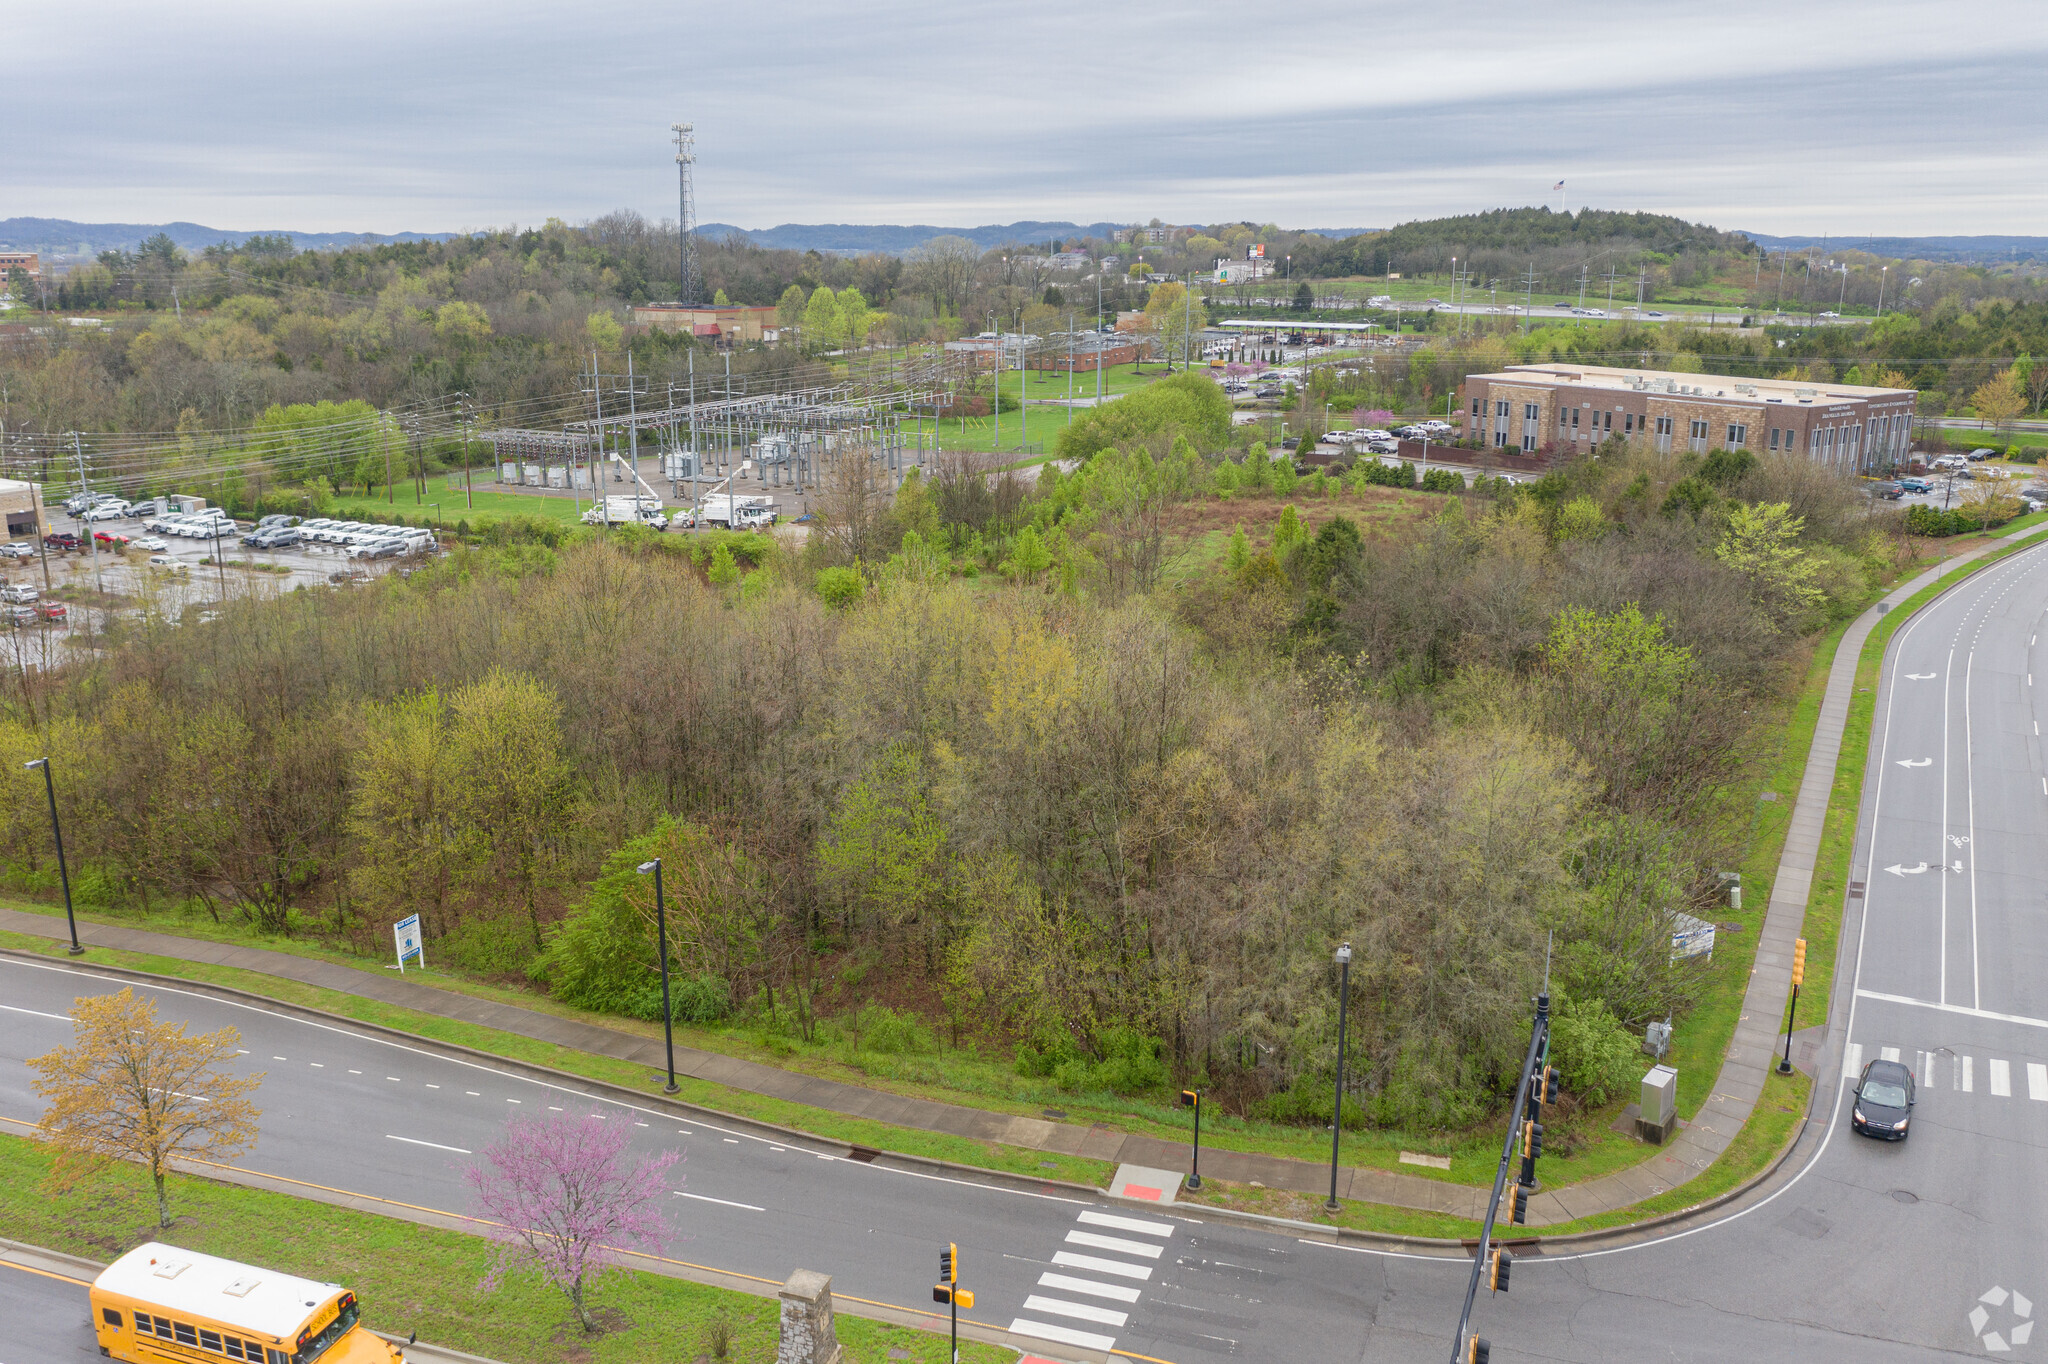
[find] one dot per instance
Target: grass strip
(409, 1276)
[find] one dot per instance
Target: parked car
(1891, 492)
(1884, 1101)
(166, 563)
(277, 519)
(52, 610)
(21, 615)
(152, 542)
(108, 511)
(18, 594)
(17, 552)
(62, 540)
(1981, 454)
(1916, 485)
(109, 539)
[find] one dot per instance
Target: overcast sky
(1863, 118)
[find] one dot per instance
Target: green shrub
(1045, 1053)
(485, 947)
(839, 587)
(1306, 1102)
(888, 1033)
(1401, 475)
(1599, 1059)
(1443, 481)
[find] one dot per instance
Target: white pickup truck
(737, 512)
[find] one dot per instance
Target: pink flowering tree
(565, 1198)
(1375, 417)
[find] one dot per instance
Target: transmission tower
(686, 156)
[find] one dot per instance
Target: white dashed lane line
(723, 1202)
(414, 1141)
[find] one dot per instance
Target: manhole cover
(1904, 1196)
(1054, 1112)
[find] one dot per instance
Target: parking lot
(112, 580)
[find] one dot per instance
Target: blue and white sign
(407, 932)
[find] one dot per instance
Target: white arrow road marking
(1918, 677)
(1916, 762)
(1897, 870)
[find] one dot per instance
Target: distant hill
(1521, 228)
(61, 236)
(1973, 250)
(894, 239)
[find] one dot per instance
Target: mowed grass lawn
(410, 1276)
(455, 506)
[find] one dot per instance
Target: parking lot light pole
(1337, 1111)
(57, 834)
(661, 941)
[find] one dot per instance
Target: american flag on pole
(1558, 185)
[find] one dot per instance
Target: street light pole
(1337, 1111)
(57, 833)
(661, 941)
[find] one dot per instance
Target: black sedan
(1884, 1101)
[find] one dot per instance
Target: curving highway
(1929, 1247)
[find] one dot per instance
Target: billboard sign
(407, 932)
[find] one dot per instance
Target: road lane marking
(1067, 1283)
(724, 1202)
(1087, 1340)
(731, 1141)
(1079, 1311)
(414, 1141)
(2037, 1082)
(2001, 1078)
(1969, 1074)
(433, 1086)
(61, 1018)
(1852, 1060)
(1070, 1260)
(317, 1065)
(470, 1092)
(1138, 1224)
(1991, 1014)
(515, 1101)
(355, 1072)
(1887, 1053)
(1970, 790)
(1947, 674)
(277, 1058)
(1115, 1243)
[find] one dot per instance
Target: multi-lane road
(1856, 1248)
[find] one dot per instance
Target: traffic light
(1532, 1139)
(1546, 1085)
(949, 1264)
(1518, 1204)
(1799, 961)
(1503, 1262)
(947, 1295)
(1477, 1351)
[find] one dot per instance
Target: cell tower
(686, 156)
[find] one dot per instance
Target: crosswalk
(1111, 1262)
(1944, 1068)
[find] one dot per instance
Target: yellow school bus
(161, 1305)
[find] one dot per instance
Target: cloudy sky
(1863, 118)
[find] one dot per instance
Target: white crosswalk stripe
(1888, 1053)
(2037, 1082)
(1115, 1243)
(1069, 1284)
(1139, 1224)
(2001, 1079)
(1959, 1073)
(1852, 1060)
(1039, 1330)
(1969, 1073)
(1070, 1260)
(1079, 1311)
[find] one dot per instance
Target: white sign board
(407, 932)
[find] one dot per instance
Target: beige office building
(1560, 408)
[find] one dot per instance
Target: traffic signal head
(964, 1297)
(1477, 1351)
(1518, 1204)
(949, 1264)
(1532, 1139)
(1546, 1085)
(1502, 1263)
(1799, 962)
(1190, 1099)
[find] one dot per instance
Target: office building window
(1696, 435)
(1478, 409)
(1528, 441)
(1664, 427)
(1628, 422)
(1738, 436)
(1774, 438)
(1500, 409)
(1564, 419)
(1530, 412)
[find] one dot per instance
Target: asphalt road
(1861, 1249)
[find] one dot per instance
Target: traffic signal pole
(1538, 1035)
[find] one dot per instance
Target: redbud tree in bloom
(565, 1197)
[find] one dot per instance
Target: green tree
(855, 318)
(2000, 398)
(883, 854)
(1028, 557)
(719, 300)
(1239, 552)
(822, 329)
(1304, 297)
(512, 794)
(1280, 471)
(1176, 317)
(839, 588)
(1288, 532)
(789, 309)
(1761, 545)
(400, 810)
(604, 330)
(723, 572)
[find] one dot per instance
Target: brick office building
(1526, 408)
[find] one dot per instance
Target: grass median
(413, 1277)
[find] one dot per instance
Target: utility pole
(1529, 292)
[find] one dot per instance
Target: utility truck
(633, 509)
(736, 511)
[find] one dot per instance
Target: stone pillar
(807, 1334)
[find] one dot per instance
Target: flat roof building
(1562, 407)
(730, 326)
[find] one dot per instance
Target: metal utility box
(1657, 1117)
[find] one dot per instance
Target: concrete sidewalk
(1711, 1130)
